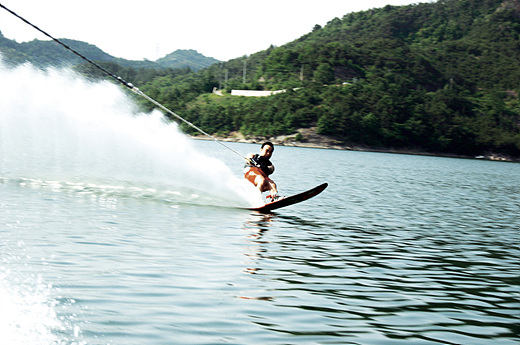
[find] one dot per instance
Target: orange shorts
(252, 172)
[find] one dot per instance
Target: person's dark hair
(267, 143)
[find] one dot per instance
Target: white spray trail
(56, 126)
(29, 312)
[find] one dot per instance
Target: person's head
(267, 149)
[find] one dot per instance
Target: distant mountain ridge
(186, 57)
(49, 53)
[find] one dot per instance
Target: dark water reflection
(385, 285)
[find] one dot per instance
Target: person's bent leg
(265, 184)
(273, 191)
(261, 183)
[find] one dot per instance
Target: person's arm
(270, 168)
(250, 161)
(267, 167)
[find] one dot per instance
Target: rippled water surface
(398, 250)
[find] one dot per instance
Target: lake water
(129, 233)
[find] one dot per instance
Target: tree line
(441, 77)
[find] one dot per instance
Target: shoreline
(309, 139)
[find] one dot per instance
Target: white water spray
(28, 314)
(56, 126)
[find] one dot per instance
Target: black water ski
(293, 199)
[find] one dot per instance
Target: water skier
(258, 168)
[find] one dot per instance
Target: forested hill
(440, 77)
(182, 58)
(48, 53)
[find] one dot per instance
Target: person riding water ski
(257, 169)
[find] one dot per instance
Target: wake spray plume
(56, 126)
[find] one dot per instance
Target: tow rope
(120, 80)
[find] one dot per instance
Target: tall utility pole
(245, 71)
(220, 75)
(301, 73)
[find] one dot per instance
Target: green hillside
(440, 77)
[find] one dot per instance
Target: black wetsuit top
(263, 162)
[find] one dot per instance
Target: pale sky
(150, 29)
